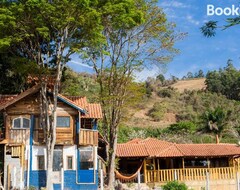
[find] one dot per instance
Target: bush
(182, 127)
(166, 92)
(175, 185)
(158, 111)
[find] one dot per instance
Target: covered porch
(162, 161)
(159, 170)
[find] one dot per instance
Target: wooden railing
(190, 174)
(88, 137)
(19, 135)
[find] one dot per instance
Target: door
(57, 164)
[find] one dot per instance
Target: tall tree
(137, 36)
(225, 81)
(47, 33)
(210, 27)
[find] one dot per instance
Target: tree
(47, 33)
(210, 27)
(161, 77)
(200, 74)
(189, 75)
(216, 120)
(137, 35)
(225, 81)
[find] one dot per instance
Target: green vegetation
(79, 84)
(226, 81)
(175, 185)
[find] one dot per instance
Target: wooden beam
(183, 164)
(145, 170)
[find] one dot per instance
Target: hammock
(127, 178)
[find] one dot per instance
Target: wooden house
(24, 150)
(162, 161)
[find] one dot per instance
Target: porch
(190, 174)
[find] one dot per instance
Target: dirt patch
(195, 84)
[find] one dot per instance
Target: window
(63, 121)
(41, 162)
(21, 122)
(69, 162)
(86, 158)
(57, 158)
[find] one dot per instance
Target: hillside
(195, 84)
(140, 118)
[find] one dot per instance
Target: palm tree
(216, 120)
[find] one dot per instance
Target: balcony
(88, 137)
(19, 136)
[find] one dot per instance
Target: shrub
(158, 111)
(166, 92)
(182, 127)
(175, 185)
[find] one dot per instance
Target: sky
(196, 51)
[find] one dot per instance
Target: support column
(145, 170)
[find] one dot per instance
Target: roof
(6, 98)
(212, 150)
(4, 102)
(94, 110)
(151, 147)
(88, 110)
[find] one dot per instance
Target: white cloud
(175, 4)
(81, 64)
(192, 20)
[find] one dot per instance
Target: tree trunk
(112, 156)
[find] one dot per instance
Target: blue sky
(196, 52)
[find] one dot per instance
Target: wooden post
(145, 170)
(14, 177)
(208, 162)
(238, 185)
(207, 181)
(183, 166)
(139, 180)
(101, 179)
(8, 177)
(62, 179)
(154, 169)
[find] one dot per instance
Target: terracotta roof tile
(158, 148)
(6, 98)
(211, 150)
(81, 101)
(93, 110)
(131, 150)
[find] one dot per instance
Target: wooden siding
(19, 136)
(64, 135)
(28, 105)
(88, 137)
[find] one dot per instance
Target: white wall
(41, 150)
(69, 151)
(38, 151)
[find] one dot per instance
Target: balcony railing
(88, 137)
(190, 174)
(19, 135)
